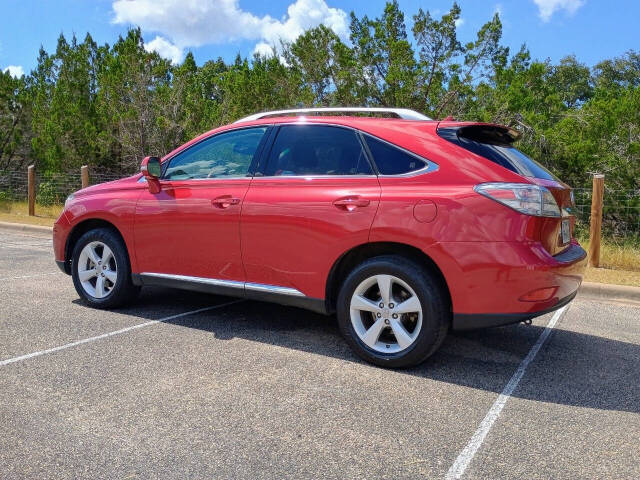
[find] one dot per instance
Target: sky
(593, 30)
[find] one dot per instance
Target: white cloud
(263, 49)
(459, 22)
(15, 71)
(192, 23)
(546, 8)
(165, 49)
(302, 15)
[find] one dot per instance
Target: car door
(315, 199)
(191, 227)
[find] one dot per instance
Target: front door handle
(351, 203)
(225, 201)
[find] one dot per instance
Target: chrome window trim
(258, 287)
(429, 167)
(310, 177)
(165, 181)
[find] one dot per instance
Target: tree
(109, 106)
(385, 58)
(325, 65)
(65, 122)
(572, 79)
(135, 95)
(15, 123)
(438, 50)
(264, 84)
(619, 72)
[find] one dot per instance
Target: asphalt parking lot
(185, 385)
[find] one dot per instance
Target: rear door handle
(225, 201)
(351, 203)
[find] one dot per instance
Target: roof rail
(403, 113)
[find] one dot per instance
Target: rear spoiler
(479, 132)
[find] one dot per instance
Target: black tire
(436, 312)
(123, 291)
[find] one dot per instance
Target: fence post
(84, 172)
(595, 226)
(31, 189)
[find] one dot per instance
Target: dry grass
(619, 263)
(18, 212)
(618, 255)
(616, 277)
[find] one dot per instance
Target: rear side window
(497, 149)
(391, 160)
(316, 150)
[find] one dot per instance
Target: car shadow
(572, 368)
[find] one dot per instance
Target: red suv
(405, 227)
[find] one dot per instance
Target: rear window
(391, 160)
(496, 148)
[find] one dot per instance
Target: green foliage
(111, 105)
(47, 194)
(15, 122)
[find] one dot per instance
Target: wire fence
(620, 219)
(51, 189)
(620, 212)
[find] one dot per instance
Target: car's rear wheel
(101, 270)
(393, 312)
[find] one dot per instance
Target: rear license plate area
(566, 231)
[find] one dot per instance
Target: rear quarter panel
(471, 237)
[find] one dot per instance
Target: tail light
(523, 197)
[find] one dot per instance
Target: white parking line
(110, 334)
(466, 456)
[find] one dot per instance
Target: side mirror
(150, 168)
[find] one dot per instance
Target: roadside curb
(24, 227)
(604, 291)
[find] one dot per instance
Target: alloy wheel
(386, 313)
(97, 269)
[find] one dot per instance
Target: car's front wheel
(101, 270)
(393, 312)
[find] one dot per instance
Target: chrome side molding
(260, 287)
(257, 287)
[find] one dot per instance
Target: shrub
(5, 202)
(47, 194)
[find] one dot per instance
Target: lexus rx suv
(403, 227)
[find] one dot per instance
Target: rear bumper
(474, 321)
(497, 283)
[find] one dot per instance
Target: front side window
(301, 150)
(391, 160)
(225, 155)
